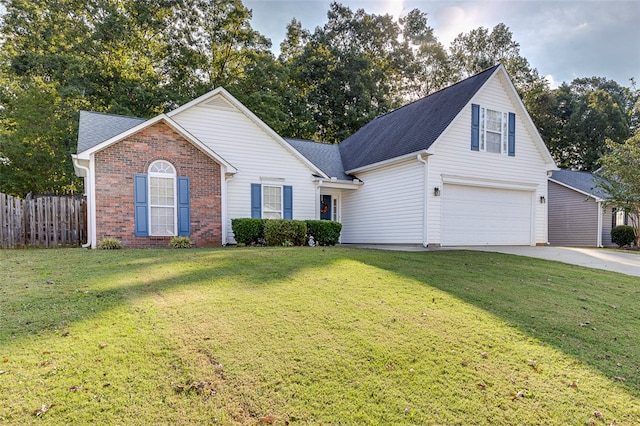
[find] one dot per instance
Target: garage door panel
(485, 216)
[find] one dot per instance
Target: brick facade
(116, 165)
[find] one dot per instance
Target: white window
(271, 202)
(162, 199)
(493, 131)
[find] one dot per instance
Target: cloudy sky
(563, 39)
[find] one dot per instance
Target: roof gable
(96, 127)
(584, 182)
(411, 128)
(100, 119)
(220, 99)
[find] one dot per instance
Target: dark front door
(325, 207)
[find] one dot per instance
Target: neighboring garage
(474, 215)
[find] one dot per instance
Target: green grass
(314, 336)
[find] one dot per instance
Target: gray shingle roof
(96, 127)
(411, 128)
(582, 181)
(324, 156)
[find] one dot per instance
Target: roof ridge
(440, 90)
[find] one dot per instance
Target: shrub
(180, 242)
(623, 235)
(324, 232)
(109, 243)
(248, 230)
(284, 232)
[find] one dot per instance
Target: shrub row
(282, 232)
(623, 235)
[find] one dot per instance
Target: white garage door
(485, 216)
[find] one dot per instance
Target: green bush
(248, 230)
(180, 242)
(324, 232)
(623, 235)
(284, 232)
(109, 243)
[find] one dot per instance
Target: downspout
(223, 204)
(88, 191)
(425, 194)
(599, 237)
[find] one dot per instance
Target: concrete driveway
(608, 260)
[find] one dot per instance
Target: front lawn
(314, 336)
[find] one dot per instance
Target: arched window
(162, 198)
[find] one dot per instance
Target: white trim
(388, 162)
(488, 183)
(339, 184)
(171, 123)
(232, 100)
(600, 219)
(173, 176)
(425, 195)
(597, 199)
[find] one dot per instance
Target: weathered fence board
(42, 221)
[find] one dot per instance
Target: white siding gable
(256, 154)
(452, 156)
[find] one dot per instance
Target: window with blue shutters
(162, 202)
(271, 201)
(493, 131)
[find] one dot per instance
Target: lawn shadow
(590, 315)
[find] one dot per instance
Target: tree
(344, 74)
(126, 57)
(430, 69)
(481, 49)
(621, 173)
(59, 57)
(586, 113)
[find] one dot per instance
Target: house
(577, 215)
(463, 166)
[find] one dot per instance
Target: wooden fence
(42, 221)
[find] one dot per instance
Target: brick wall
(116, 166)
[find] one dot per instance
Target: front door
(325, 207)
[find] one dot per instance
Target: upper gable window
(492, 130)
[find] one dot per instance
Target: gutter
(88, 192)
(425, 194)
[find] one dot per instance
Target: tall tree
(126, 57)
(344, 74)
(430, 69)
(588, 112)
(481, 49)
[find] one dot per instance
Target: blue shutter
(512, 134)
(184, 207)
(475, 127)
(140, 199)
(287, 193)
(256, 200)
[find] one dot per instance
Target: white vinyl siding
(388, 208)
(256, 155)
(452, 156)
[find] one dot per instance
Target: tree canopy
(143, 58)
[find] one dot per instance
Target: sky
(563, 39)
